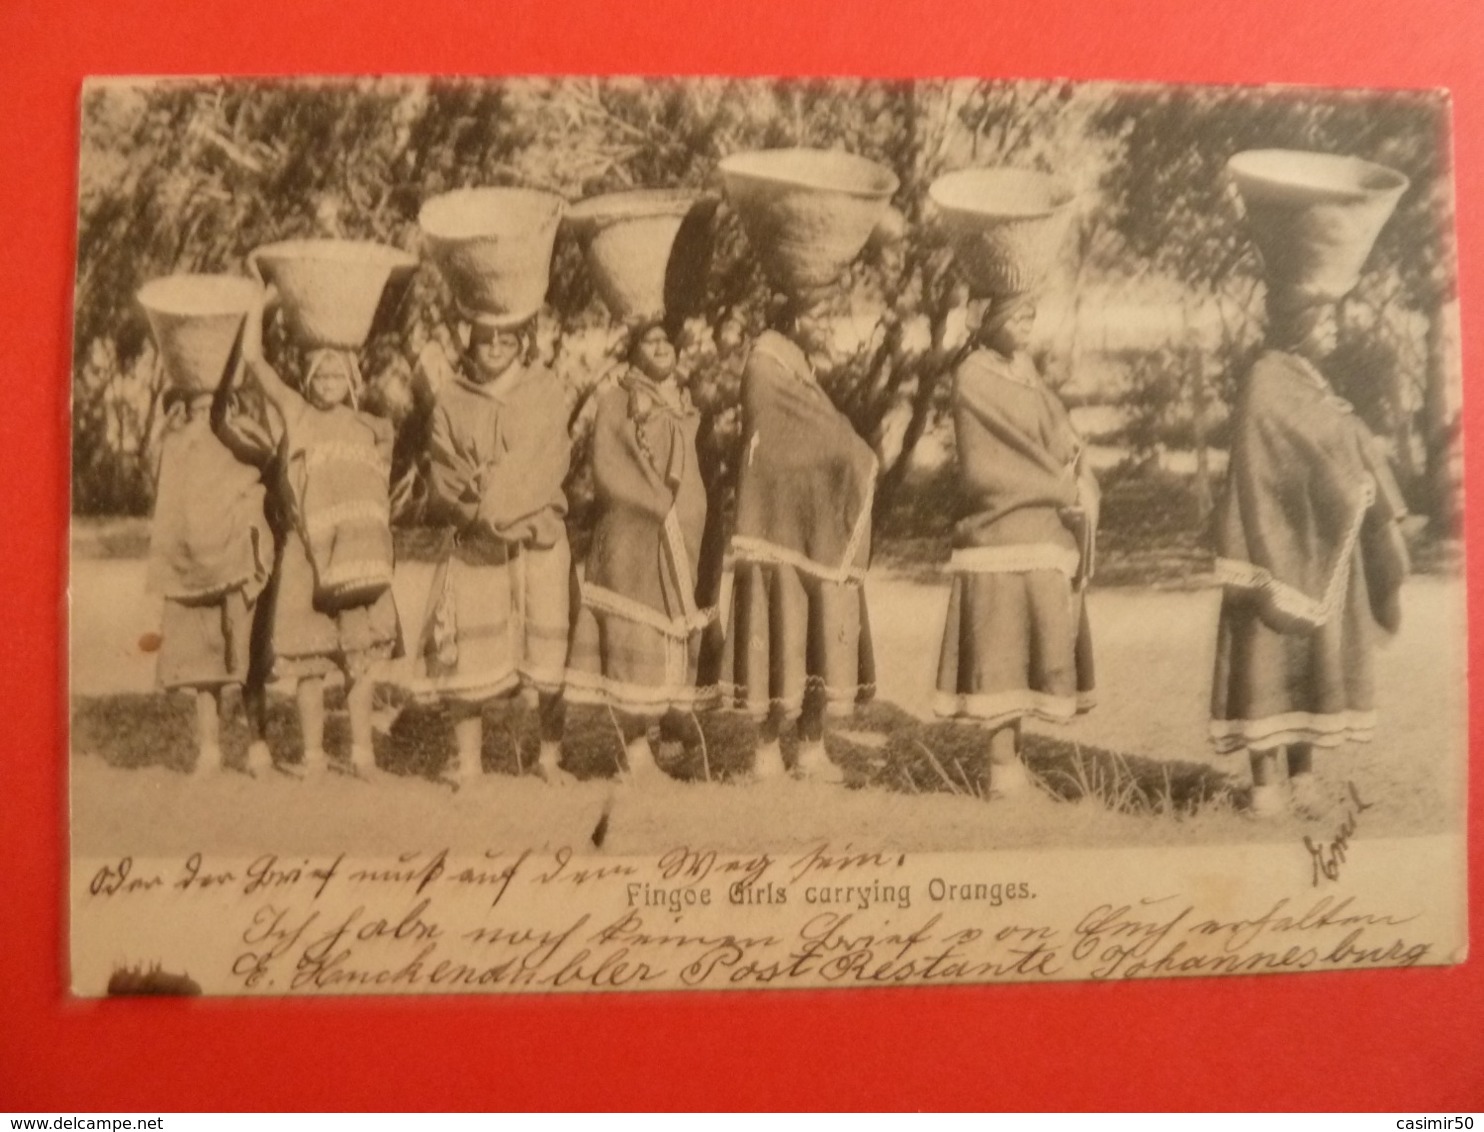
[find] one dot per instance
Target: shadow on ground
(879, 747)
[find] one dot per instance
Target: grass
(1150, 532)
(881, 747)
(949, 758)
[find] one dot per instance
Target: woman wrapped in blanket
(1017, 641)
(333, 608)
(498, 612)
(798, 640)
(635, 637)
(1310, 551)
(211, 557)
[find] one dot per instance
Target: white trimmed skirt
(1016, 644)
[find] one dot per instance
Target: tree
(191, 175)
(905, 293)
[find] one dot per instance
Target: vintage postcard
(570, 534)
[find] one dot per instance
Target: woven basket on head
(331, 290)
(806, 212)
(195, 320)
(1314, 218)
(494, 248)
(1006, 226)
(627, 239)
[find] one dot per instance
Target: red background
(1394, 1040)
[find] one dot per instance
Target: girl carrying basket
(211, 551)
(1016, 642)
(636, 633)
(1308, 541)
(334, 608)
(798, 640)
(498, 613)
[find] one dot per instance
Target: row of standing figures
(508, 610)
(272, 539)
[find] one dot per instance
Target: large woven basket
(627, 238)
(330, 290)
(1314, 218)
(494, 248)
(1006, 226)
(195, 320)
(806, 212)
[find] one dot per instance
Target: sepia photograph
(577, 533)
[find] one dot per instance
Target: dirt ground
(1153, 647)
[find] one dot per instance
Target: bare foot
(549, 768)
(362, 764)
(259, 759)
(1309, 799)
(767, 762)
(210, 762)
(315, 764)
(461, 772)
(642, 768)
(1008, 779)
(815, 765)
(1268, 802)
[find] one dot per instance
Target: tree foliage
(191, 176)
(1169, 208)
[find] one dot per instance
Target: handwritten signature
(1327, 856)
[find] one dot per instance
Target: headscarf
(635, 331)
(1290, 323)
(631, 348)
(1000, 309)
